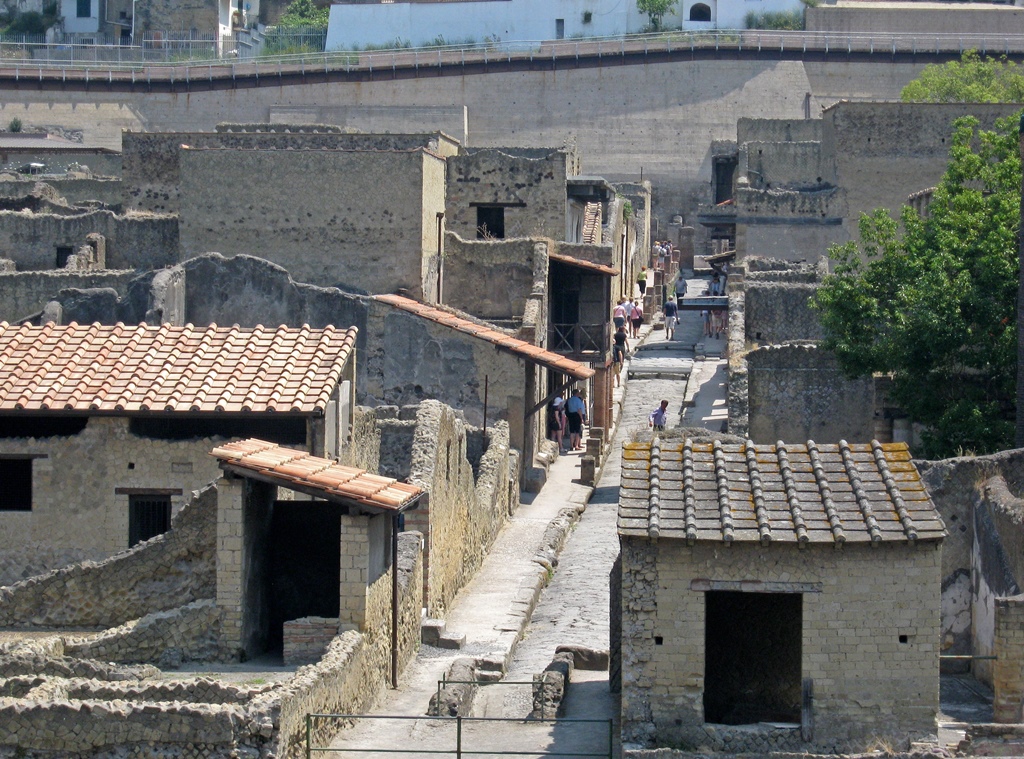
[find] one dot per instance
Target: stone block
(585, 658)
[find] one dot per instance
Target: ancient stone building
(105, 431)
(777, 597)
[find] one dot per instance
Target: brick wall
(1008, 668)
(868, 683)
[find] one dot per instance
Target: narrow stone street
(573, 608)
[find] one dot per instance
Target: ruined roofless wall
(165, 572)
(531, 191)
(152, 169)
(133, 242)
(492, 279)
(797, 392)
(777, 312)
(26, 292)
(868, 685)
(74, 191)
(354, 219)
(777, 130)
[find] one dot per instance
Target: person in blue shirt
(576, 412)
(659, 417)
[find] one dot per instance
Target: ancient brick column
(1008, 668)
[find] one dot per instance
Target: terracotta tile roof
(179, 369)
(592, 224)
(318, 477)
(580, 263)
(710, 491)
(506, 342)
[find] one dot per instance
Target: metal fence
(176, 60)
(473, 736)
(77, 49)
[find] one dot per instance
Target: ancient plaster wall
(797, 392)
(492, 279)
(139, 241)
(354, 219)
(780, 312)
(166, 572)
(152, 165)
(73, 190)
(26, 292)
(532, 189)
(983, 557)
(777, 130)
(867, 684)
(783, 165)
(883, 152)
(76, 513)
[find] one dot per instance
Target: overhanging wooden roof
(580, 263)
(809, 493)
(500, 340)
(320, 478)
(128, 369)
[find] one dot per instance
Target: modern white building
(81, 16)
(355, 25)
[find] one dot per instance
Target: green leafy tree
(972, 79)
(655, 10)
(932, 301)
(304, 13)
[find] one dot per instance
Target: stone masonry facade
(870, 626)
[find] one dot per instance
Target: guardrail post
(458, 737)
(309, 719)
(611, 738)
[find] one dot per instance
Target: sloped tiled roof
(122, 368)
(710, 491)
(505, 342)
(592, 224)
(318, 477)
(580, 263)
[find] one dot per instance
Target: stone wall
(983, 555)
(493, 279)
(468, 500)
(152, 165)
(1008, 669)
(73, 190)
(784, 165)
(82, 512)
(777, 130)
(23, 293)
(780, 312)
(798, 393)
(361, 220)
(139, 241)
(868, 19)
(166, 572)
(530, 188)
(868, 683)
(157, 15)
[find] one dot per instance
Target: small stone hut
(776, 597)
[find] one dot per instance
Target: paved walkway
(572, 609)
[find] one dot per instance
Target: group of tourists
(661, 254)
(567, 415)
(629, 314)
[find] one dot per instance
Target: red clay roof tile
(168, 368)
(506, 342)
(320, 477)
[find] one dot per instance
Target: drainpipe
(440, 260)
(394, 600)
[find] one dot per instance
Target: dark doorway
(305, 559)
(490, 222)
(752, 657)
(148, 516)
(559, 28)
(700, 12)
(64, 252)
(725, 177)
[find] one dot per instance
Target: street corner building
(775, 597)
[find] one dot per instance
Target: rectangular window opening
(64, 252)
(148, 516)
(490, 222)
(84, 8)
(16, 484)
(752, 657)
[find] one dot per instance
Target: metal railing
(578, 338)
(132, 63)
(463, 745)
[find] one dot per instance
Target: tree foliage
(655, 10)
(304, 13)
(972, 79)
(932, 300)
